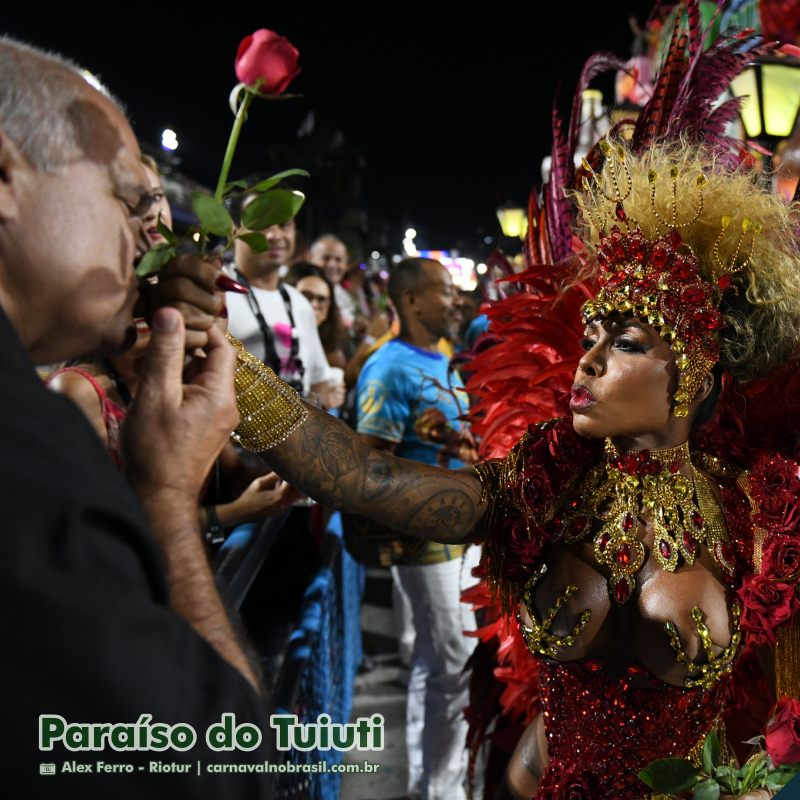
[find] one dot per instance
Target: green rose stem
(233, 141)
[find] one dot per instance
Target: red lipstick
(581, 399)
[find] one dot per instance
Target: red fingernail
(228, 284)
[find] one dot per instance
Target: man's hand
(172, 435)
(174, 431)
(196, 288)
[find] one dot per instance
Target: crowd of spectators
(112, 511)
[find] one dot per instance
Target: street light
(513, 221)
(771, 88)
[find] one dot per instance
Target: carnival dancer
(633, 564)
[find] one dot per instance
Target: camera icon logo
(47, 769)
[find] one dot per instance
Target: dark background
(424, 114)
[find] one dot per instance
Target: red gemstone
(631, 463)
(670, 303)
(602, 258)
(697, 519)
(618, 249)
(674, 239)
(683, 269)
(694, 295)
(674, 467)
(710, 320)
(622, 591)
(725, 281)
(602, 542)
(689, 544)
(574, 503)
(664, 548)
(659, 256)
(727, 553)
(637, 248)
(619, 212)
(623, 555)
(627, 521)
(617, 279)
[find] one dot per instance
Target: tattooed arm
(328, 461)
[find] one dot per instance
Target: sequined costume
(601, 728)
(655, 243)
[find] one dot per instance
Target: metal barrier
(324, 650)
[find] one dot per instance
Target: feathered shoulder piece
(526, 375)
(524, 492)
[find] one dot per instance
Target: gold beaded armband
(269, 409)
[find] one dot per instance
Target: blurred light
(384, 275)
(396, 259)
(487, 240)
(411, 233)
(513, 221)
(169, 139)
(196, 236)
(481, 269)
(375, 255)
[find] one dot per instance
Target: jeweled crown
(659, 280)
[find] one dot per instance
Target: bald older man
(330, 254)
(109, 609)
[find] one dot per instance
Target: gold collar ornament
(627, 488)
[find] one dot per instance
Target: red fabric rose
(267, 56)
(767, 605)
(781, 557)
(780, 513)
(783, 733)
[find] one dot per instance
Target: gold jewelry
(708, 673)
(269, 409)
(626, 486)
(537, 635)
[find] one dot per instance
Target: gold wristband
(269, 409)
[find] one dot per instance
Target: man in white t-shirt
(275, 322)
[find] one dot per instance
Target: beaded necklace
(625, 488)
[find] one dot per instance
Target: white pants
(437, 684)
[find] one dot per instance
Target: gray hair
(36, 92)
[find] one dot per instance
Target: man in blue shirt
(410, 403)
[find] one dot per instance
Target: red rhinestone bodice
(601, 731)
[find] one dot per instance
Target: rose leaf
(670, 775)
(272, 208)
(213, 216)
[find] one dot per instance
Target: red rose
(767, 605)
(781, 558)
(267, 56)
(783, 733)
(780, 513)
(773, 477)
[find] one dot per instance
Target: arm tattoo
(328, 461)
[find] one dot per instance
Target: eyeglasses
(323, 300)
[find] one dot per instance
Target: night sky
(448, 107)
